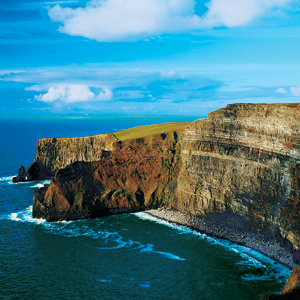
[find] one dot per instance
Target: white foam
(251, 277)
(181, 228)
(118, 240)
(144, 285)
(40, 184)
(23, 216)
(36, 186)
(7, 178)
(105, 280)
(248, 256)
(149, 248)
(18, 183)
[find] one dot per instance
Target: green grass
(142, 131)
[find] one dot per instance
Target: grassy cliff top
(127, 134)
(142, 131)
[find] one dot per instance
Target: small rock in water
(22, 175)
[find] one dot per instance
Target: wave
(103, 239)
(181, 228)
(24, 215)
(6, 179)
(149, 249)
(40, 184)
(31, 184)
(249, 258)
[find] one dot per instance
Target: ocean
(130, 256)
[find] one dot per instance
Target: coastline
(265, 244)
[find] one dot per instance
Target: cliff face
(244, 159)
(53, 154)
(138, 174)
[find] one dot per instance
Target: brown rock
(139, 174)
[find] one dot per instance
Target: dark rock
(296, 257)
(37, 171)
(22, 175)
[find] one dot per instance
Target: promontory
(242, 161)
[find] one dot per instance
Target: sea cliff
(243, 159)
(239, 167)
(137, 171)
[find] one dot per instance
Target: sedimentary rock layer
(244, 159)
(53, 154)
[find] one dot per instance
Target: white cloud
(295, 91)
(232, 13)
(118, 20)
(281, 91)
(70, 93)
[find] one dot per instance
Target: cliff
(53, 154)
(244, 159)
(137, 174)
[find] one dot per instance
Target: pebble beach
(265, 244)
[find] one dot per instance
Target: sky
(146, 57)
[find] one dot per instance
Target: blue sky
(146, 57)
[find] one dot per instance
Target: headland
(234, 175)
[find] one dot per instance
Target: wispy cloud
(92, 89)
(232, 13)
(295, 91)
(281, 91)
(119, 20)
(130, 85)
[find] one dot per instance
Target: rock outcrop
(57, 153)
(22, 175)
(53, 154)
(138, 174)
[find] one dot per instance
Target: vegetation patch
(142, 131)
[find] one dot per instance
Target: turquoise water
(132, 256)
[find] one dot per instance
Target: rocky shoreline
(265, 244)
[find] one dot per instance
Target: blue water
(132, 256)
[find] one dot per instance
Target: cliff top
(128, 134)
(246, 110)
(142, 131)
